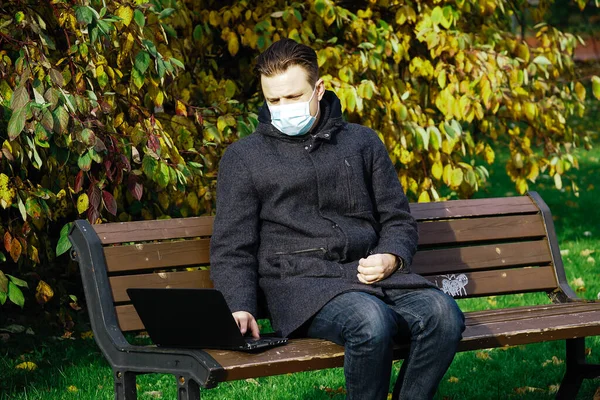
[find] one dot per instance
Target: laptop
(193, 318)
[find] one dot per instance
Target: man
(310, 211)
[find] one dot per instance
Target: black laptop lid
(186, 317)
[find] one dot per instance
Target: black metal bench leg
(125, 388)
(577, 369)
(187, 389)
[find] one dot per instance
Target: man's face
(291, 86)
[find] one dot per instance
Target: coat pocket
(308, 263)
(358, 198)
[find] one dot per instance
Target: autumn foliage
(120, 110)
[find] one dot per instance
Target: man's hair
(285, 53)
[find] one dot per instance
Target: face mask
(293, 119)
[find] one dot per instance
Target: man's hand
(245, 322)
(376, 267)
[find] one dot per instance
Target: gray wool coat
(295, 214)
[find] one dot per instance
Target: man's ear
(320, 86)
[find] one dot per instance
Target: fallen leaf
(27, 365)
(13, 328)
(483, 355)
(72, 389)
(154, 394)
(553, 388)
(253, 381)
(87, 335)
(453, 379)
(587, 233)
(586, 252)
(577, 282)
(591, 260)
(588, 351)
(555, 360)
(43, 292)
(564, 252)
(492, 301)
(528, 389)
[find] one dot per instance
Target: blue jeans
(367, 326)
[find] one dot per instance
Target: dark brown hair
(285, 53)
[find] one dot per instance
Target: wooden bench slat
(311, 354)
(157, 255)
(520, 313)
(480, 230)
(460, 259)
(473, 207)
(182, 279)
(496, 282)
(140, 231)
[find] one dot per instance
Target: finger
(365, 279)
(371, 261)
(254, 328)
(378, 270)
(243, 324)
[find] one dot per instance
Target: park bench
(469, 248)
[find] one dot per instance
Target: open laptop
(193, 318)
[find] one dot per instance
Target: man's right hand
(245, 322)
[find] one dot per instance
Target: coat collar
(328, 124)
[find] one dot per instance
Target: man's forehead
(294, 80)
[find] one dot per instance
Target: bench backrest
(469, 248)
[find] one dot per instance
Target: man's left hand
(376, 267)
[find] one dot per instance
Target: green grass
(75, 369)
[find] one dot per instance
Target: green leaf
(20, 97)
(57, 77)
(61, 120)
(177, 62)
(162, 176)
(85, 161)
(34, 210)
(16, 123)
(139, 18)
(64, 244)
(424, 136)
(198, 33)
(596, 87)
(3, 279)
(87, 137)
(84, 15)
(138, 78)
(22, 209)
(149, 165)
(142, 61)
(17, 281)
(3, 296)
(541, 60)
(167, 12)
(15, 295)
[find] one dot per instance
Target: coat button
(305, 147)
(334, 226)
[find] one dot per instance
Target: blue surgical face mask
(293, 119)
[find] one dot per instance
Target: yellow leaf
(83, 203)
(453, 379)
(586, 252)
(580, 91)
(558, 181)
(87, 335)
(424, 197)
(27, 365)
(233, 44)
(72, 389)
(6, 194)
(489, 154)
(596, 87)
(457, 177)
(126, 14)
(483, 355)
(43, 292)
(437, 170)
(447, 174)
(522, 185)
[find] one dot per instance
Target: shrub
(120, 110)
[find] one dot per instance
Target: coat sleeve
(235, 238)
(399, 234)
